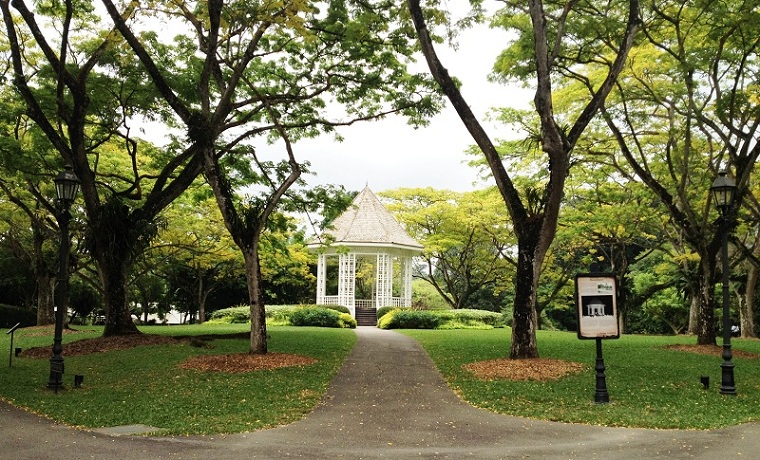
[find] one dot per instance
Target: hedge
(475, 317)
(398, 318)
(382, 311)
(410, 319)
(240, 314)
(10, 316)
(280, 315)
(321, 317)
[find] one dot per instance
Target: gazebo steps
(366, 317)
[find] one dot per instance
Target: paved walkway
(387, 402)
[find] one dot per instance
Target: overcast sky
(389, 154)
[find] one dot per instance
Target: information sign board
(596, 301)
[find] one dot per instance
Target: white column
(384, 281)
(407, 281)
(321, 279)
(347, 280)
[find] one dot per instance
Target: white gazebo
(364, 235)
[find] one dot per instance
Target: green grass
(144, 385)
(649, 386)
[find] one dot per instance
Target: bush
(338, 308)
(382, 311)
(398, 318)
(10, 316)
(347, 321)
(384, 321)
(317, 316)
(411, 319)
(282, 315)
(476, 317)
(279, 315)
(240, 314)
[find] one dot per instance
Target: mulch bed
(541, 369)
(231, 363)
(715, 350)
(103, 344)
(245, 362)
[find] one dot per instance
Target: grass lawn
(649, 385)
(144, 385)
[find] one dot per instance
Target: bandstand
(363, 236)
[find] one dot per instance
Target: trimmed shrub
(476, 317)
(338, 308)
(384, 321)
(411, 319)
(320, 317)
(239, 314)
(347, 321)
(10, 316)
(382, 311)
(399, 318)
(279, 315)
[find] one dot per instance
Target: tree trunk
(45, 281)
(524, 310)
(113, 274)
(199, 295)
(693, 312)
(706, 308)
(45, 288)
(746, 312)
(255, 300)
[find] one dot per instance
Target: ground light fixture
(724, 192)
(66, 188)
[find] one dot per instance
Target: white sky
(389, 154)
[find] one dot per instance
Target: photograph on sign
(596, 297)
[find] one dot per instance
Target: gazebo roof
(368, 223)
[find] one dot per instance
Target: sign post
(11, 331)
(597, 309)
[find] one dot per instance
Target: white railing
(362, 303)
(330, 300)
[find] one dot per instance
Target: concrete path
(387, 402)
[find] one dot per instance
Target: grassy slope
(649, 385)
(144, 385)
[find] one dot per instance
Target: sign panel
(596, 301)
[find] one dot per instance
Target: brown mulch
(103, 344)
(244, 362)
(541, 370)
(234, 363)
(715, 350)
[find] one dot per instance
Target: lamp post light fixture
(66, 188)
(724, 192)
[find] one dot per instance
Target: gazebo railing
(330, 300)
(364, 303)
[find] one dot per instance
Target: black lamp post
(66, 188)
(724, 190)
